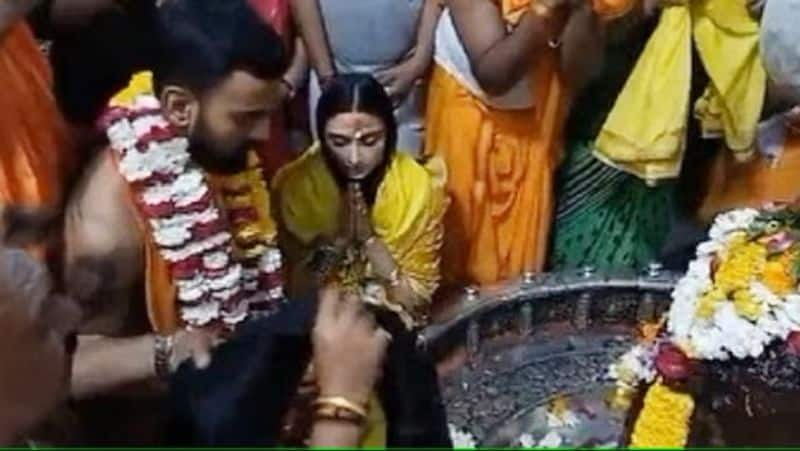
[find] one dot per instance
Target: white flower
(121, 136)
(635, 366)
(565, 419)
(462, 439)
(708, 248)
(732, 221)
(526, 441)
(143, 124)
(552, 440)
(196, 247)
(764, 295)
(227, 281)
(187, 189)
(146, 102)
(792, 309)
(200, 314)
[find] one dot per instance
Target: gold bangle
(340, 402)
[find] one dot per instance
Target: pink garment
(276, 152)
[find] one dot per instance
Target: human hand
(348, 347)
(399, 79)
(196, 345)
(362, 224)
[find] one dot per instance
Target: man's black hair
(202, 41)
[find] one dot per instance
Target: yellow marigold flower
(747, 305)
(707, 304)
(778, 278)
(742, 263)
(664, 419)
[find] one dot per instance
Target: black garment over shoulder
(92, 63)
(242, 398)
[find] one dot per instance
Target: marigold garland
(664, 419)
(739, 296)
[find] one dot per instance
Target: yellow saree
(407, 214)
(645, 132)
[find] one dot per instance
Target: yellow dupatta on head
(407, 214)
(645, 132)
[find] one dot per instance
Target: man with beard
(168, 240)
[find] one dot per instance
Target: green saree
(606, 218)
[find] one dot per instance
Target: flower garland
(739, 296)
(218, 276)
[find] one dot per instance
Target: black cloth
(241, 399)
(93, 62)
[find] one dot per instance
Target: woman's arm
(308, 19)
(298, 70)
(582, 47)
(399, 79)
(499, 58)
(423, 54)
(386, 267)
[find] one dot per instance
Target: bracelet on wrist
(339, 408)
(162, 357)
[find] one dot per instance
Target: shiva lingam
(523, 358)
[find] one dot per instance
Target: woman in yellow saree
(354, 211)
(496, 109)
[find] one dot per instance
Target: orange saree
(500, 171)
(33, 135)
(732, 184)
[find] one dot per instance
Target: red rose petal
(204, 230)
(672, 363)
(187, 268)
(793, 344)
(270, 280)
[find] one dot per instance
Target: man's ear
(179, 105)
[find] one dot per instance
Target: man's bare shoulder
(100, 220)
(101, 194)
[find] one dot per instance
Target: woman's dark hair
(361, 93)
(203, 41)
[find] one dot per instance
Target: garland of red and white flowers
(218, 276)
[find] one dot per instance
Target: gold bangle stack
(340, 409)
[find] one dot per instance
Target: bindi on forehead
(355, 123)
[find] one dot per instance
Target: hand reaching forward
(349, 348)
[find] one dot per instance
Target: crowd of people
(224, 222)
